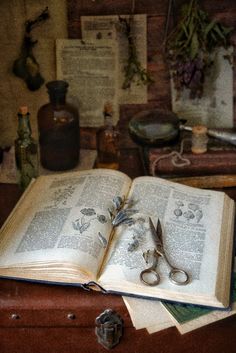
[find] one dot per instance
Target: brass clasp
(109, 327)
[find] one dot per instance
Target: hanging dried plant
(26, 65)
(190, 46)
(134, 72)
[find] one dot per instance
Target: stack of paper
(156, 315)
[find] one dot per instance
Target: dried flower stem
(134, 72)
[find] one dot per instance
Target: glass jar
(108, 142)
(58, 126)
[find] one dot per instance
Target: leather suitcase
(37, 318)
(41, 318)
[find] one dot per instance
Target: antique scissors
(150, 276)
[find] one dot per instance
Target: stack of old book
(179, 161)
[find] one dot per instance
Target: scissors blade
(156, 234)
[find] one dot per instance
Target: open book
(60, 231)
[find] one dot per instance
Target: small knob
(15, 316)
(71, 316)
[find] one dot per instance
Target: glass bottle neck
(24, 128)
(57, 91)
(108, 121)
(57, 99)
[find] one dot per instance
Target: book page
(63, 219)
(107, 28)
(91, 71)
(191, 221)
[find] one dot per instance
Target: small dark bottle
(26, 150)
(58, 125)
(108, 142)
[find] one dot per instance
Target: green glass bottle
(26, 150)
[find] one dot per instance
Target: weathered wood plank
(105, 7)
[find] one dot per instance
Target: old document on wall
(91, 71)
(215, 107)
(107, 28)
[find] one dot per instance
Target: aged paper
(148, 314)
(192, 241)
(215, 107)
(107, 28)
(64, 220)
(91, 71)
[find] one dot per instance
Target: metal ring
(173, 280)
(150, 283)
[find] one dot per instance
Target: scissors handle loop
(178, 277)
(150, 277)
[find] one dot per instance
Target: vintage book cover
(72, 228)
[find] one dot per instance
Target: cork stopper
(23, 110)
(199, 130)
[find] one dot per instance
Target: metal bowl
(154, 128)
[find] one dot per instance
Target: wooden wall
(156, 10)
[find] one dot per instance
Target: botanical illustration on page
(191, 240)
(69, 220)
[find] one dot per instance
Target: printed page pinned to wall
(91, 71)
(108, 28)
(215, 107)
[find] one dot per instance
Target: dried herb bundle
(120, 215)
(26, 66)
(134, 72)
(190, 45)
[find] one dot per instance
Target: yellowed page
(192, 222)
(90, 68)
(107, 28)
(63, 219)
(147, 313)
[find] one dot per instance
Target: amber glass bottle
(108, 142)
(26, 150)
(58, 125)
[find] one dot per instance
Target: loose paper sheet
(152, 316)
(106, 28)
(155, 317)
(146, 313)
(91, 71)
(215, 107)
